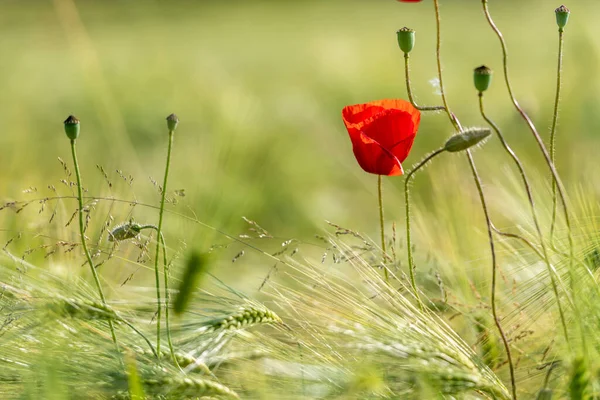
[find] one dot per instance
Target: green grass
(259, 87)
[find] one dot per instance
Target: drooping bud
(466, 139)
(482, 77)
(125, 231)
(72, 127)
(172, 122)
(406, 39)
(562, 16)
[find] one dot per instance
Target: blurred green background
(259, 87)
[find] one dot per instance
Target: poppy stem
(409, 89)
(555, 177)
(382, 225)
(167, 295)
(438, 56)
(494, 270)
(84, 243)
(411, 263)
(554, 121)
(538, 229)
(159, 233)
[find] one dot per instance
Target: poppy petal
(373, 157)
(382, 133)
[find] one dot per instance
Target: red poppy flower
(409, 1)
(382, 134)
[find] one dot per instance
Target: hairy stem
(84, 243)
(438, 56)
(159, 230)
(409, 89)
(556, 179)
(494, 271)
(536, 222)
(411, 266)
(382, 226)
(554, 121)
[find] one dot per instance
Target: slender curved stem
(494, 270)
(159, 230)
(382, 226)
(438, 57)
(556, 179)
(84, 243)
(554, 121)
(167, 299)
(136, 330)
(536, 222)
(409, 89)
(411, 266)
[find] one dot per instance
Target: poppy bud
(172, 122)
(72, 127)
(562, 16)
(466, 139)
(123, 232)
(544, 394)
(482, 77)
(406, 39)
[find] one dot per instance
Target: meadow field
(266, 201)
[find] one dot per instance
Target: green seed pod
(406, 39)
(172, 122)
(72, 127)
(466, 139)
(544, 394)
(562, 16)
(482, 77)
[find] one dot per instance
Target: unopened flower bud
(126, 231)
(466, 139)
(482, 77)
(406, 39)
(562, 16)
(172, 122)
(72, 127)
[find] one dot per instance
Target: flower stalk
(72, 131)
(411, 263)
(382, 226)
(172, 122)
(494, 273)
(520, 167)
(554, 122)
